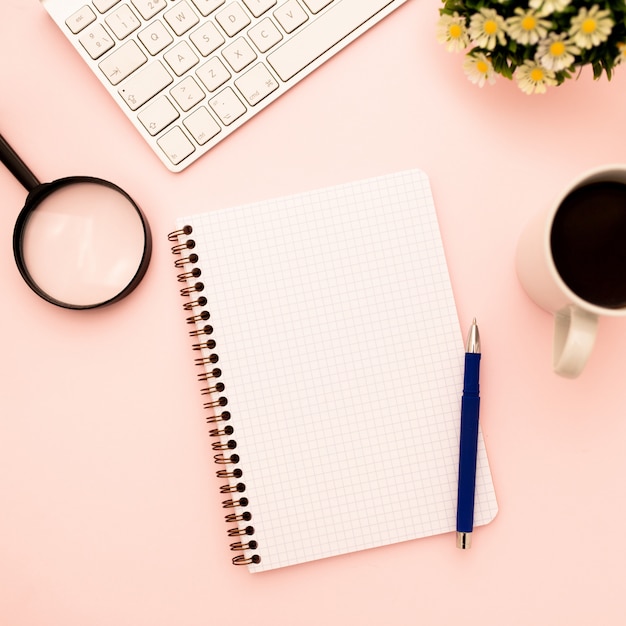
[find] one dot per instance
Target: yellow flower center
(482, 67)
(536, 75)
(557, 49)
(455, 31)
(491, 28)
(529, 22)
(589, 26)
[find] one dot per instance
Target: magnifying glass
(79, 242)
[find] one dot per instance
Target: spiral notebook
(327, 339)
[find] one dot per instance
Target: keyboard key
(157, 115)
(104, 5)
(206, 39)
(181, 18)
(187, 93)
(148, 8)
(80, 20)
(175, 145)
(227, 106)
(145, 84)
(239, 54)
(202, 126)
(122, 22)
(155, 38)
(258, 7)
(122, 62)
(233, 19)
(315, 6)
(290, 15)
(207, 6)
(181, 58)
(265, 35)
(96, 41)
(256, 84)
(321, 35)
(213, 74)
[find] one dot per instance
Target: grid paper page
(342, 357)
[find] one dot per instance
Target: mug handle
(574, 335)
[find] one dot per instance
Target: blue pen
(470, 407)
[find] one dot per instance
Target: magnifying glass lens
(84, 244)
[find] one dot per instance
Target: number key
(148, 8)
(123, 22)
(207, 6)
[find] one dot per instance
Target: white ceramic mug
(556, 261)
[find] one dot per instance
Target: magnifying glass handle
(16, 166)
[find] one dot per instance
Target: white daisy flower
(533, 78)
(556, 52)
(487, 28)
(451, 31)
(479, 69)
(591, 27)
(526, 27)
(547, 7)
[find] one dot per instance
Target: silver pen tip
(473, 339)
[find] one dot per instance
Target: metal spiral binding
(180, 263)
(200, 302)
(231, 518)
(224, 416)
(236, 473)
(237, 532)
(196, 272)
(214, 373)
(225, 442)
(203, 316)
(209, 345)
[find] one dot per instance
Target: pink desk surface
(109, 507)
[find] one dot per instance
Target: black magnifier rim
(34, 199)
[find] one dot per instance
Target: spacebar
(322, 34)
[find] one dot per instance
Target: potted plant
(536, 43)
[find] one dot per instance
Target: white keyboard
(188, 73)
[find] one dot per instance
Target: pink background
(109, 505)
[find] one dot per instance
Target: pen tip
(473, 339)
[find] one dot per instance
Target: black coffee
(588, 241)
